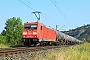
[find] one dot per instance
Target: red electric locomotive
(35, 33)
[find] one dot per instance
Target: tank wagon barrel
(66, 39)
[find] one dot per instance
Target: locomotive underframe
(30, 41)
(36, 42)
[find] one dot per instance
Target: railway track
(25, 53)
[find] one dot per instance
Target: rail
(25, 53)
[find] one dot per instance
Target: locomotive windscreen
(30, 26)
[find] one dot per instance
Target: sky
(67, 14)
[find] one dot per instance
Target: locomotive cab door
(41, 28)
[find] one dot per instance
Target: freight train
(35, 33)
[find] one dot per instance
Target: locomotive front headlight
(34, 32)
(24, 33)
(24, 36)
(35, 36)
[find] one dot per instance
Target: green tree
(3, 33)
(2, 39)
(13, 30)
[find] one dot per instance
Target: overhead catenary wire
(49, 20)
(35, 10)
(60, 12)
(44, 15)
(26, 5)
(62, 27)
(27, 1)
(59, 9)
(31, 4)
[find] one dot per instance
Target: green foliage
(2, 39)
(3, 33)
(13, 30)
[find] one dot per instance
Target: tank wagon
(66, 39)
(35, 33)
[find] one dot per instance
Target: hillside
(80, 32)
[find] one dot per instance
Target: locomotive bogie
(30, 41)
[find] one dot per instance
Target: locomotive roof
(32, 22)
(38, 23)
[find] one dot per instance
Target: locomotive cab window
(30, 26)
(34, 26)
(26, 27)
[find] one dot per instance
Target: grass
(4, 46)
(78, 52)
